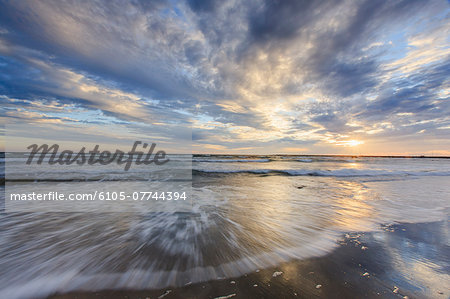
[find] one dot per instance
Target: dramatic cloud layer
(367, 77)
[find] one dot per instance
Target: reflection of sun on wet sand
(353, 209)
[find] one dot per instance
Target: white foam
(231, 160)
(347, 172)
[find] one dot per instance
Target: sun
(354, 142)
(347, 143)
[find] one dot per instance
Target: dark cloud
(417, 93)
(279, 20)
(85, 39)
(345, 79)
(203, 5)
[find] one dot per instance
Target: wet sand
(400, 260)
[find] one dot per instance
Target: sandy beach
(398, 261)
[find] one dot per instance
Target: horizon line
(303, 155)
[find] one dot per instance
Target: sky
(239, 77)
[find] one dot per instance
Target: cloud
(242, 73)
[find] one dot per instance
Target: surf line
(94, 156)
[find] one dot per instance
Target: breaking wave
(348, 172)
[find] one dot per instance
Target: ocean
(243, 213)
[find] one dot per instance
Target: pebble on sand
(232, 282)
(366, 274)
(318, 286)
(225, 297)
(395, 290)
(255, 285)
(364, 247)
(165, 294)
(277, 273)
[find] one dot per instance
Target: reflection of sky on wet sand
(411, 257)
(419, 256)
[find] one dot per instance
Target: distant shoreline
(299, 155)
(315, 155)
